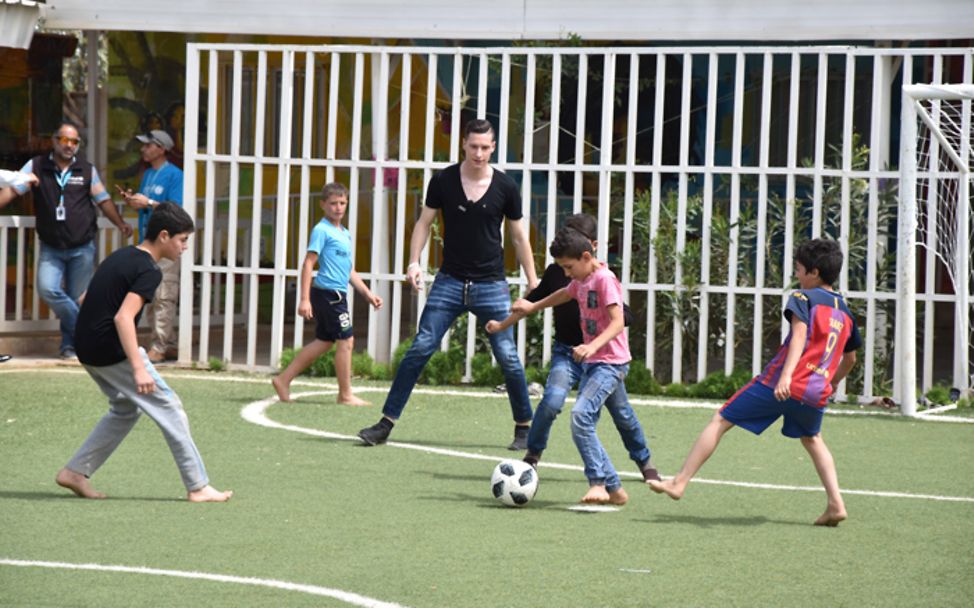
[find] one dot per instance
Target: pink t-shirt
(594, 295)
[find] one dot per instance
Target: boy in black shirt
(108, 348)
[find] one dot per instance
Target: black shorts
(332, 321)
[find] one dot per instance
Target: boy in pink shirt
(604, 354)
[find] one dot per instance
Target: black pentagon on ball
(526, 477)
(507, 469)
(518, 498)
(498, 489)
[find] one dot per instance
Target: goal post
(935, 213)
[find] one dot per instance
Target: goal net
(935, 215)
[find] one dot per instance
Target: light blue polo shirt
(164, 184)
(333, 245)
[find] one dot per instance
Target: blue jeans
(599, 381)
(565, 372)
(448, 299)
(62, 276)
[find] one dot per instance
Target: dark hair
(478, 125)
(824, 255)
(333, 189)
(583, 223)
(169, 217)
(66, 123)
(570, 243)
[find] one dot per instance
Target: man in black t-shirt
(474, 199)
(108, 348)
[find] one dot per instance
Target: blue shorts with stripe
(755, 408)
(332, 321)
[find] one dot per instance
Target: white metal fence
(727, 156)
(703, 165)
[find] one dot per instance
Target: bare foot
(352, 400)
(831, 518)
(619, 497)
(77, 483)
(209, 494)
(667, 487)
(596, 495)
(283, 390)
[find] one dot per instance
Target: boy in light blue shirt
(324, 297)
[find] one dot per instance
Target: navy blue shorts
(332, 321)
(755, 408)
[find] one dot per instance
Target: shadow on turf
(713, 522)
(55, 495)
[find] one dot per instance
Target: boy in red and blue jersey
(817, 354)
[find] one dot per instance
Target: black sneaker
(532, 459)
(377, 433)
(520, 442)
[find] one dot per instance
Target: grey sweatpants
(125, 407)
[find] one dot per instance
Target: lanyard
(62, 181)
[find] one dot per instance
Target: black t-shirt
(129, 269)
(472, 249)
(568, 327)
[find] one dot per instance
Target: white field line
(925, 416)
(350, 598)
(256, 414)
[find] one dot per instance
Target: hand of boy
(492, 327)
(414, 274)
(144, 382)
(783, 390)
(582, 352)
(522, 307)
(305, 310)
(375, 301)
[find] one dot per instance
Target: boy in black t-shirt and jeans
(108, 348)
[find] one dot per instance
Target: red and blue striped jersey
(831, 331)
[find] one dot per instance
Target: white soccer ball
(514, 482)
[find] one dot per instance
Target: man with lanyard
(65, 198)
(162, 182)
(474, 198)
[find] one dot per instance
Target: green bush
(216, 364)
(380, 371)
(323, 366)
(362, 364)
(287, 355)
(938, 395)
(484, 372)
(398, 354)
(719, 386)
(676, 390)
(641, 381)
(444, 368)
(535, 374)
(965, 403)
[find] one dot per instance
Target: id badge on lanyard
(60, 214)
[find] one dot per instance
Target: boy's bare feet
(352, 400)
(596, 495)
(619, 497)
(77, 483)
(209, 494)
(831, 518)
(667, 487)
(283, 390)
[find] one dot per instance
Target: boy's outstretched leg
(302, 361)
(209, 494)
(77, 483)
(702, 449)
(825, 467)
(343, 370)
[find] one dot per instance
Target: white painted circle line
(593, 508)
(349, 598)
(256, 414)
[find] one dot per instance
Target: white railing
(19, 255)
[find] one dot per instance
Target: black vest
(81, 217)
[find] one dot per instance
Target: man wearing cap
(66, 196)
(162, 182)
